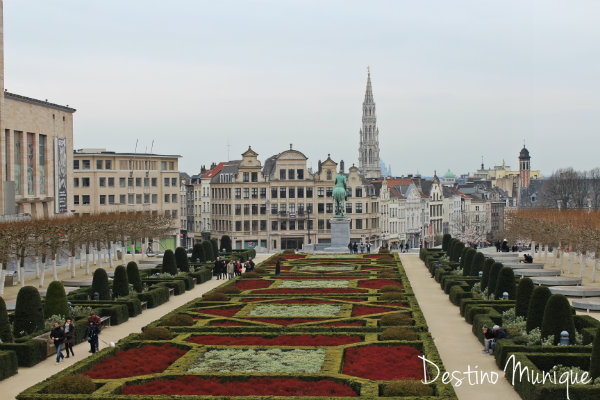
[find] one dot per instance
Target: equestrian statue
(340, 195)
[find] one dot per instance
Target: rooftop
(43, 103)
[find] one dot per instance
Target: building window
(320, 192)
(329, 192)
(121, 199)
(75, 164)
(138, 182)
(321, 224)
(329, 208)
(283, 225)
(283, 208)
(254, 209)
(282, 193)
(75, 182)
(85, 199)
(309, 192)
(238, 209)
(263, 209)
(99, 164)
(154, 182)
(42, 163)
(122, 182)
(310, 224)
(274, 225)
(102, 199)
(348, 208)
(263, 193)
(359, 208)
(163, 165)
(300, 173)
(328, 175)
(263, 225)
(238, 193)
(102, 182)
(146, 182)
(173, 181)
(273, 209)
(246, 209)
(174, 213)
(246, 176)
(146, 198)
(130, 198)
(292, 226)
(291, 174)
(274, 193)
(358, 192)
(238, 226)
(246, 193)
(107, 164)
(174, 198)
(282, 174)
(321, 208)
(167, 198)
(300, 191)
(154, 198)
(85, 164)
(246, 226)
(111, 182)
(85, 182)
(358, 223)
(138, 198)
(76, 200)
(300, 224)
(255, 193)
(254, 176)
(292, 193)
(167, 180)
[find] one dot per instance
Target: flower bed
(284, 340)
(226, 323)
(310, 291)
(317, 278)
(325, 268)
(378, 283)
(249, 284)
(383, 362)
(313, 283)
(222, 312)
(295, 310)
(360, 310)
(258, 386)
(148, 359)
(344, 323)
(285, 322)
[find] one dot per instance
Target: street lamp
(268, 226)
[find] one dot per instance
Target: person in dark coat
(488, 338)
(57, 335)
(218, 267)
(355, 248)
(69, 330)
(91, 332)
(278, 267)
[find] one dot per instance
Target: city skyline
(197, 77)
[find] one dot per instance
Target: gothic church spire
(368, 152)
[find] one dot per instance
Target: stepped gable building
(284, 204)
(368, 152)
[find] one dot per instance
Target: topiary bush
(55, 302)
(156, 333)
(71, 384)
(394, 319)
(6, 335)
(100, 284)
(524, 291)
(390, 288)
(505, 282)
(169, 266)
(595, 361)
(178, 320)
(399, 333)
(391, 296)
(457, 250)
(537, 305)
(215, 248)
(198, 253)
(477, 263)
(133, 276)
(250, 275)
(407, 388)
(226, 243)
(120, 282)
(208, 251)
(446, 241)
(215, 296)
(450, 250)
(230, 290)
(181, 260)
(29, 314)
(467, 260)
(485, 276)
(558, 317)
(494, 272)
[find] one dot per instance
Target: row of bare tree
(91, 237)
(572, 231)
(567, 188)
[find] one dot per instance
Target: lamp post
(268, 226)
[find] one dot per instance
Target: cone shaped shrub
(451, 245)
(55, 302)
(457, 250)
(485, 277)
(524, 291)
(463, 253)
(537, 305)
(558, 317)
(198, 253)
(468, 260)
(6, 335)
(181, 259)
(133, 276)
(208, 251)
(446, 241)
(494, 272)
(29, 315)
(477, 264)
(100, 284)
(168, 265)
(215, 248)
(226, 243)
(595, 362)
(506, 283)
(120, 282)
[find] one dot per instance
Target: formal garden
(332, 327)
(487, 293)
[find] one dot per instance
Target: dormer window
(329, 175)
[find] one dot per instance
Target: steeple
(368, 152)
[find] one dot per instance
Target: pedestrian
(217, 268)
(97, 321)
(355, 248)
(350, 246)
(369, 247)
(252, 265)
(362, 247)
(57, 335)
(278, 268)
(91, 332)
(488, 338)
(499, 334)
(69, 330)
(230, 269)
(238, 268)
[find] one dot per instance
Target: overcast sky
(453, 80)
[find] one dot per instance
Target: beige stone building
(283, 204)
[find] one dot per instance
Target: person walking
(230, 269)
(217, 268)
(69, 330)
(369, 247)
(91, 332)
(362, 247)
(278, 268)
(57, 335)
(97, 321)
(355, 248)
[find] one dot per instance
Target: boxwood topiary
(168, 265)
(55, 302)
(156, 333)
(558, 317)
(399, 333)
(208, 251)
(407, 388)
(477, 264)
(524, 291)
(29, 314)
(215, 296)
(493, 279)
(6, 335)
(181, 259)
(391, 296)
(100, 284)
(133, 276)
(595, 362)
(198, 253)
(446, 241)
(394, 319)
(505, 283)
(485, 276)
(226, 243)
(467, 260)
(71, 384)
(537, 305)
(457, 250)
(120, 282)
(178, 320)
(215, 248)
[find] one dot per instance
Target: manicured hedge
(524, 291)
(133, 276)
(100, 284)
(8, 364)
(29, 315)
(155, 296)
(29, 352)
(55, 302)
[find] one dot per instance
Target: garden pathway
(27, 377)
(453, 336)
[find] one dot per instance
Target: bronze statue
(340, 194)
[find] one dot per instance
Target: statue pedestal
(340, 235)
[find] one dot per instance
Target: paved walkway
(453, 337)
(27, 377)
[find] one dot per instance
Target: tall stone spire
(368, 151)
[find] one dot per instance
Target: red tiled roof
(213, 172)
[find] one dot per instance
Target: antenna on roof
(228, 148)
(152, 146)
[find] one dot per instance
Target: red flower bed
(222, 312)
(383, 362)
(316, 278)
(359, 310)
(378, 283)
(293, 256)
(286, 322)
(259, 386)
(290, 340)
(148, 359)
(378, 256)
(248, 284)
(371, 268)
(342, 323)
(310, 291)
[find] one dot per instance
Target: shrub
(477, 264)
(467, 260)
(260, 270)
(178, 320)
(450, 250)
(226, 243)
(215, 296)
(595, 362)
(250, 275)
(384, 251)
(6, 335)
(133, 276)
(457, 250)
(230, 290)
(493, 279)
(72, 384)
(120, 282)
(505, 283)
(8, 364)
(390, 288)
(537, 305)
(156, 296)
(55, 302)
(446, 241)
(558, 317)
(156, 333)
(169, 265)
(208, 251)
(485, 277)
(399, 333)
(391, 296)
(215, 248)
(524, 291)
(388, 275)
(395, 319)
(407, 388)
(100, 284)
(29, 315)
(181, 259)
(198, 253)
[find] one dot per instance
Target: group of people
(64, 335)
(491, 337)
(353, 247)
(233, 268)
